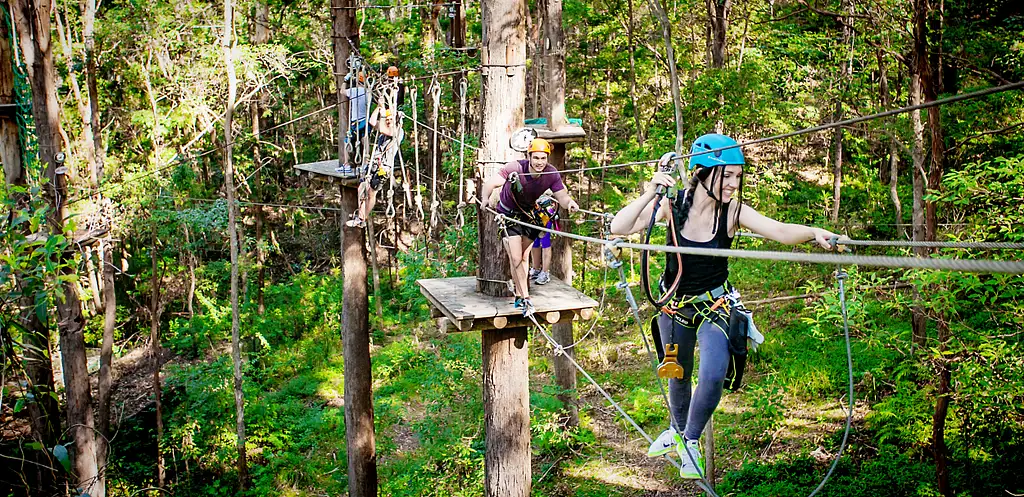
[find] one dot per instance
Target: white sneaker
(543, 278)
(664, 443)
(533, 273)
(689, 453)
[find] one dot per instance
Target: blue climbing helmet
(702, 157)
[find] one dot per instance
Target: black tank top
(701, 273)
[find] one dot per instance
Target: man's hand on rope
(572, 207)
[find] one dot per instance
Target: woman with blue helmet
(703, 214)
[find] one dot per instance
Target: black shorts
(515, 229)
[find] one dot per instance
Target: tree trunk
(104, 384)
(919, 74)
(890, 173)
(261, 35)
(355, 314)
(227, 46)
(670, 56)
(632, 77)
(718, 27)
(505, 352)
(942, 399)
(44, 413)
(32, 19)
(93, 125)
(155, 356)
(504, 92)
(554, 65)
(845, 75)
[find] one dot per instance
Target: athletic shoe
(533, 273)
(690, 455)
(355, 222)
(347, 171)
(665, 442)
(543, 278)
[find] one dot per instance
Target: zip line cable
(823, 127)
(965, 265)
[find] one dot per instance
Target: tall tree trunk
(360, 442)
(44, 412)
(718, 27)
(505, 352)
(155, 356)
(919, 322)
(929, 25)
(227, 45)
(261, 35)
(640, 135)
(105, 382)
(670, 56)
(845, 76)
(95, 132)
(889, 173)
(32, 19)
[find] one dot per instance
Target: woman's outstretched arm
(788, 233)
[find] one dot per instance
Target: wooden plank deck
(325, 168)
(467, 309)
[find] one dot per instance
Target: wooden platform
(465, 309)
(325, 170)
(565, 134)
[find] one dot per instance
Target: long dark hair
(682, 212)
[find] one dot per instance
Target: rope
(823, 127)
(452, 138)
(416, 152)
(435, 95)
(966, 265)
(462, 149)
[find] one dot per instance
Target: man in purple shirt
(521, 183)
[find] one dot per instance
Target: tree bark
(920, 76)
(506, 395)
(227, 47)
(95, 132)
(355, 313)
(502, 101)
(32, 19)
(105, 382)
(44, 412)
(632, 77)
(718, 27)
(155, 356)
(845, 75)
(261, 35)
(505, 352)
(670, 56)
(554, 45)
(889, 173)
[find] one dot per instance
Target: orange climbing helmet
(392, 72)
(539, 145)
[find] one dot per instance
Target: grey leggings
(696, 323)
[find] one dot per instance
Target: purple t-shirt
(533, 186)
